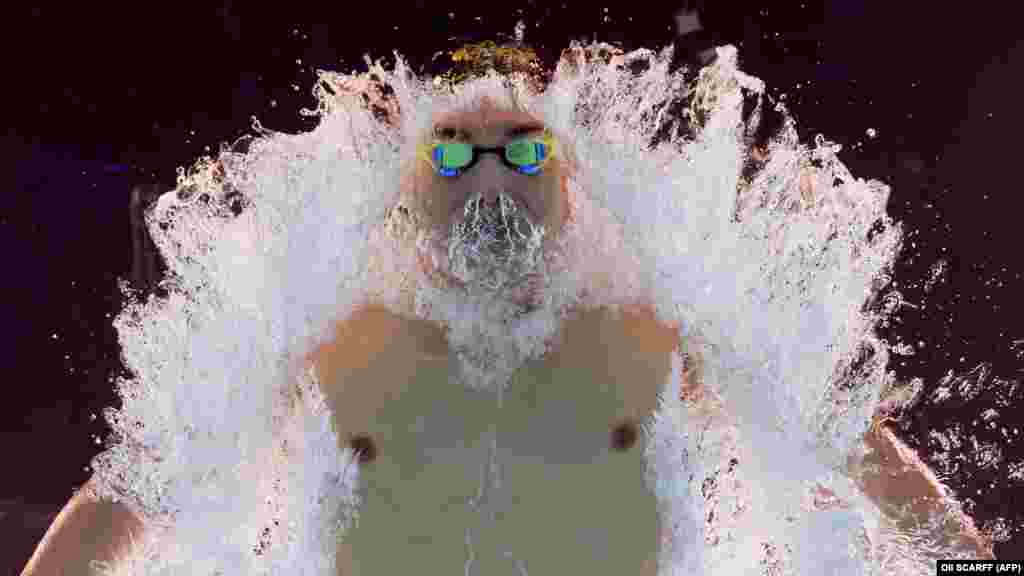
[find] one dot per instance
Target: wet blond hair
(475, 60)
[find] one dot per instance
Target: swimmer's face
(492, 218)
(443, 198)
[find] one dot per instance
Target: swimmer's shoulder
(631, 329)
(627, 348)
(373, 356)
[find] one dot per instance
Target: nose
(488, 178)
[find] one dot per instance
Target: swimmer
(490, 189)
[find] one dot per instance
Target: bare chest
(546, 471)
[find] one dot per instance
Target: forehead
(487, 118)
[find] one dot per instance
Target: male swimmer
(542, 475)
(548, 477)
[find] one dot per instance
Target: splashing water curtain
(766, 284)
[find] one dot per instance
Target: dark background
(103, 98)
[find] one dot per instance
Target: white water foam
(768, 285)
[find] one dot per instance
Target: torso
(567, 502)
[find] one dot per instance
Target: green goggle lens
(524, 152)
(453, 154)
(525, 155)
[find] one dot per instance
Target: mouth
(461, 210)
(494, 245)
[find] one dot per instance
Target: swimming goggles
(526, 154)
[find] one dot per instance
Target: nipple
(364, 448)
(624, 436)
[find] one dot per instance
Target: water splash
(767, 280)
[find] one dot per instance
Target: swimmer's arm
(907, 492)
(891, 476)
(86, 529)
